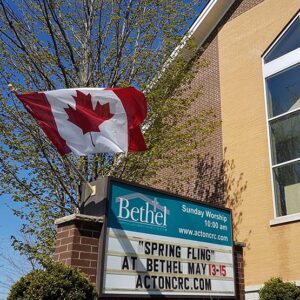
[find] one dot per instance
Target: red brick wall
(77, 245)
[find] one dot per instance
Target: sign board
(165, 245)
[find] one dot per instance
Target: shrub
(276, 289)
(55, 282)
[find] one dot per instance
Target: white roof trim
(205, 23)
(199, 31)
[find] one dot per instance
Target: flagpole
(91, 187)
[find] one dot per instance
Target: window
(281, 67)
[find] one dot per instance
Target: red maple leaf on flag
(84, 116)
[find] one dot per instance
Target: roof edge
(203, 26)
(200, 30)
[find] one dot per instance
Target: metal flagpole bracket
(93, 204)
(92, 189)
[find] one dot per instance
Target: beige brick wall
(271, 251)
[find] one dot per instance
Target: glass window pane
(288, 42)
(287, 189)
(283, 91)
(285, 138)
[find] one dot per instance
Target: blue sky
(9, 225)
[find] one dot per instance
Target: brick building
(252, 83)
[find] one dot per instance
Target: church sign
(164, 245)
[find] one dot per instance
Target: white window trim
(281, 63)
(268, 69)
(285, 163)
(269, 143)
(285, 219)
(284, 114)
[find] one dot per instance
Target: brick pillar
(239, 270)
(77, 242)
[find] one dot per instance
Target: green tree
(56, 281)
(46, 44)
(276, 289)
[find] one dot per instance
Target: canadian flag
(90, 120)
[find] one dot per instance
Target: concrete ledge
(239, 244)
(78, 217)
(253, 288)
(285, 219)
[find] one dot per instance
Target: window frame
(271, 68)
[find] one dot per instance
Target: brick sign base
(77, 242)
